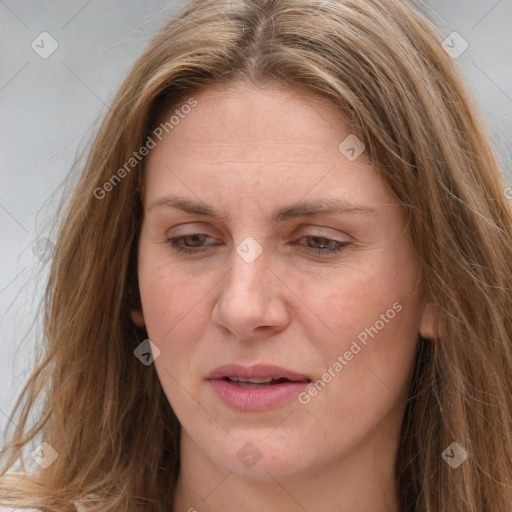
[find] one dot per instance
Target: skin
(249, 151)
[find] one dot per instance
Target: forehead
(242, 119)
(263, 145)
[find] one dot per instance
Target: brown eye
(323, 246)
(195, 240)
(190, 244)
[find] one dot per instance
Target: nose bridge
(249, 268)
(249, 298)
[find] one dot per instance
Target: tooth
(254, 381)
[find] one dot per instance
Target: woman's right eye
(189, 244)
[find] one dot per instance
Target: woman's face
(300, 268)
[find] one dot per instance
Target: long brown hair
(381, 65)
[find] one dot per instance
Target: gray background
(51, 107)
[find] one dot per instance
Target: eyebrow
(301, 209)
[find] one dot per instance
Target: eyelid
(193, 228)
(321, 231)
(193, 225)
(205, 228)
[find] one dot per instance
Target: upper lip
(257, 371)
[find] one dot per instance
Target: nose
(252, 300)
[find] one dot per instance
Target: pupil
(195, 238)
(318, 240)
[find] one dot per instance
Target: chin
(257, 457)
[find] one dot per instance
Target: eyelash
(174, 244)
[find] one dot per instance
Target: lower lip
(256, 399)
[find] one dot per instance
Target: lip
(257, 371)
(256, 398)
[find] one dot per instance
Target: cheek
(370, 294)
(160, 304)
(370, 317)
(353, 299)
(169, 301)
(174, 309)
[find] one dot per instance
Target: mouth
(256, 388)
(241, 382)
(257, 375)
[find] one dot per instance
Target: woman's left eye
(327, 245)
(194, 244)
